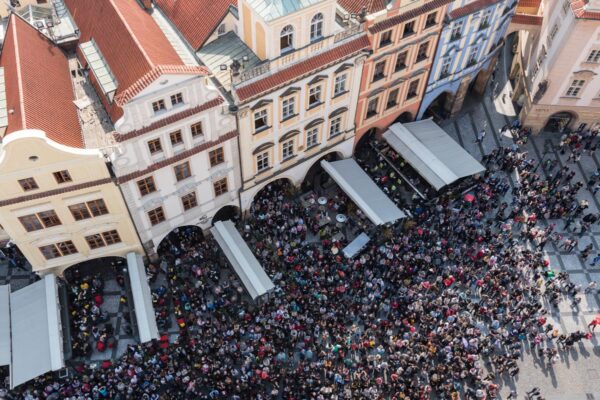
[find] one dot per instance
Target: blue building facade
(466, 54)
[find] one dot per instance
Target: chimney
(147, 4)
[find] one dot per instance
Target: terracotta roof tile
(470, 8)
(529, 3)
(302, 69)
(579, 9)
(355, 6)
(170, 120)
(128, 38)
(38, 85)
(398, 19)
(196, 19)
(527, 19)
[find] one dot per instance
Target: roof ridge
(131, 32)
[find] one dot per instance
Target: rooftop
(52, 19)
(586, 9)
(270, 10)
(356, 6)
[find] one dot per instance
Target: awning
(4, 325)
(432, 152)
(363, 191)
(245, 265)
(356, 245)
(142, 298)
(36, 331)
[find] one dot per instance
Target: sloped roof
(196, 20)
(355, 6)
(39, 92)
(470, 8)
(270, 10)
(130, 40)
(581, 10)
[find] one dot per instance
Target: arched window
(316, 27)
(287, 38)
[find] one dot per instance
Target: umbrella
(469, 198)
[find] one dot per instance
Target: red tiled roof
(470, 8)
(302, 69)
(178, 158)
(525, 19)
(169, 120)
(355, 6)
(529, 3)
(398, 19)
(195, 19)
(38, 85)
(579, 9)
(152, 75)
(128, 38)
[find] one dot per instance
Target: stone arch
(440, 107)
(225, 213)
(313, 179)
(560, 121)
(163, 243)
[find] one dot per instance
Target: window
(552, 34)
(409, 29)
(158, 106)
(401, 61)
(260, 120)
(103, 239)
(336, 126)
(146, 186)
(49, 218)
(176, 138)
(314, 96)
(154, 146)
(176, 98)
(386, 38)
(62, 176)
(286, 39)
(473, 56)
(594, 56)
(287, 109)
(379, 71)
(412, 89)
(94, 208)
(456, 31)
(340, 85)
(31, 223)
(565, 6)
(216, 157)
(372, 107)
(485, 19)
(262, 161)
(422, 53)
(222, 29)
(220, 187)
(287, 149)
(392, 99)
(575, 87)
(316, 27)
(445, 71)
(431, 19)
(196, 129)
(156, 216)
(182, 171)
(189, 201)
(312, 137)
(28, 184)
(58, 250)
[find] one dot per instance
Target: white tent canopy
(4, 325)
(142, 298)
(363, 191)
(432, 152)
(356, 245)
(245, 265)
(36, 331)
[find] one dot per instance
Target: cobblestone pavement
(577, 375)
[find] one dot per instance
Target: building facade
(177, 153)
(556, 72)
(59, 203)
(466, 54)
(292, 71)
(403, 36)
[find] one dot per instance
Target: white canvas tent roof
(142, 298)
(356, 245)
(4, 325)
(432, 152)
(245, 265)
(36, 331)
(363, 191)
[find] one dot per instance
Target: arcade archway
(440, 107)
(226, 213)
(316, 179)
(186, 235)
(560, 121)
(404, 118)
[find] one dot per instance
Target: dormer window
(287, 39)
(158, 106)
(316, 27)
(222, 30)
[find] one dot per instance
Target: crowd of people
(441, 304)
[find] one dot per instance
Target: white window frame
(575, 88)
(335, 126)
(288, 33)
(262, 161)
(315, 91)
(287, 149)
(261, 114)
(340, 84)
(316, 27)
(594, 56)
(312, 137)
(288, 107)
